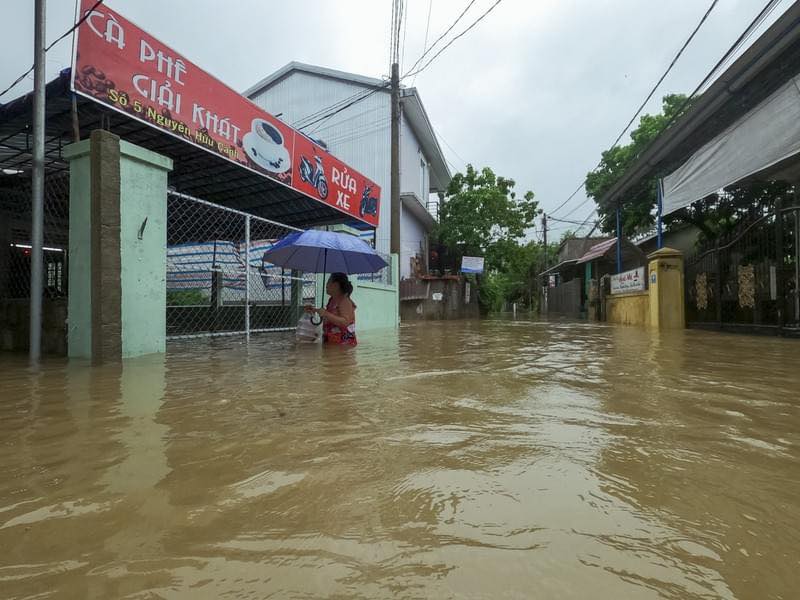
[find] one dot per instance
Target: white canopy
(763, 137)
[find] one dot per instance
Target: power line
(653, 90)
(403, 47)
(571, 196)
(77, 24)
(669, 68)
(344, 107)
(439, 39)
(754, 24)
(324, 109)
(549, 218)
(438, 133)
(450, 43)
(427, 29)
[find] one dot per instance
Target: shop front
(182, 175)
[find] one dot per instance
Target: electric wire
(427, 29)
(450, 43)
(746, 34)
(439, 39)
(649, 95)
(77, 24)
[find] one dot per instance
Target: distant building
(350, 115)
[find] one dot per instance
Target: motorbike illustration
(369, 204)
(314, 175)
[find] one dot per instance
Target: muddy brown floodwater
(493, 459)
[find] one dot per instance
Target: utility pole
(395, 175)
(544, 234)
(37, 182)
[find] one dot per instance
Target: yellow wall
(661, 306)
(629, 309)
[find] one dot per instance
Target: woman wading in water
(339, 316)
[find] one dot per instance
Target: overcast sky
(536, 90)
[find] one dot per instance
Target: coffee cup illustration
(264, 146)
(267, 131)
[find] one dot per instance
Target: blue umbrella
(315, 251)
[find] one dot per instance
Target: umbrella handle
(318, 321)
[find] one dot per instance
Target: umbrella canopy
(315, 251)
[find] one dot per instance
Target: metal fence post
(718, 283)
(247, 276)
(779, 296)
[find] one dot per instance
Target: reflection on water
(488, 459)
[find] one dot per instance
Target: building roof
(558, 267)
(597, 251)
(766, 65)
(410, 102)
(295, 66)
(574, 248)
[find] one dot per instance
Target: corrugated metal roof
(597, 251)
(560, 265)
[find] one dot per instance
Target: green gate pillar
(117, 249)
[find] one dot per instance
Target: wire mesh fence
(218, 282)
(15, 260)
(15, 235)
(384, 276)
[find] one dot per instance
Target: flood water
(492, 459)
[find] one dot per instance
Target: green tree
(716, 215)
(639, 201)
(481, 215)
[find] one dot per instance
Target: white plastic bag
(307, 331)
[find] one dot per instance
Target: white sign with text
(629, 281)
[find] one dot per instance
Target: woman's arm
(347, 310)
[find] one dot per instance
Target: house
(684, 238)
(349, 115)
(565, 286)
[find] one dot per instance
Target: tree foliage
(716, 215)
(481, 215)
(639, 201)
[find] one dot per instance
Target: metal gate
(749, 281)
(217, 281)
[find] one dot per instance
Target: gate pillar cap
(665, 253)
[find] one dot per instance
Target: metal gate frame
(771, 275)
(217, 283)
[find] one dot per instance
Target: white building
(350, 115)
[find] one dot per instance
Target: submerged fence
(749, 280)
(218, 282)
(15, 260)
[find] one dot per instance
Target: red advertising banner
(125, 68)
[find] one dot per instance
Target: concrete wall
(143, 177)
(15, 325)
(414, 179)
(80, 253)
(117, 244)
(378, 305)
(662, 305)
(629, 309)
(459, 301)
(412, 237)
